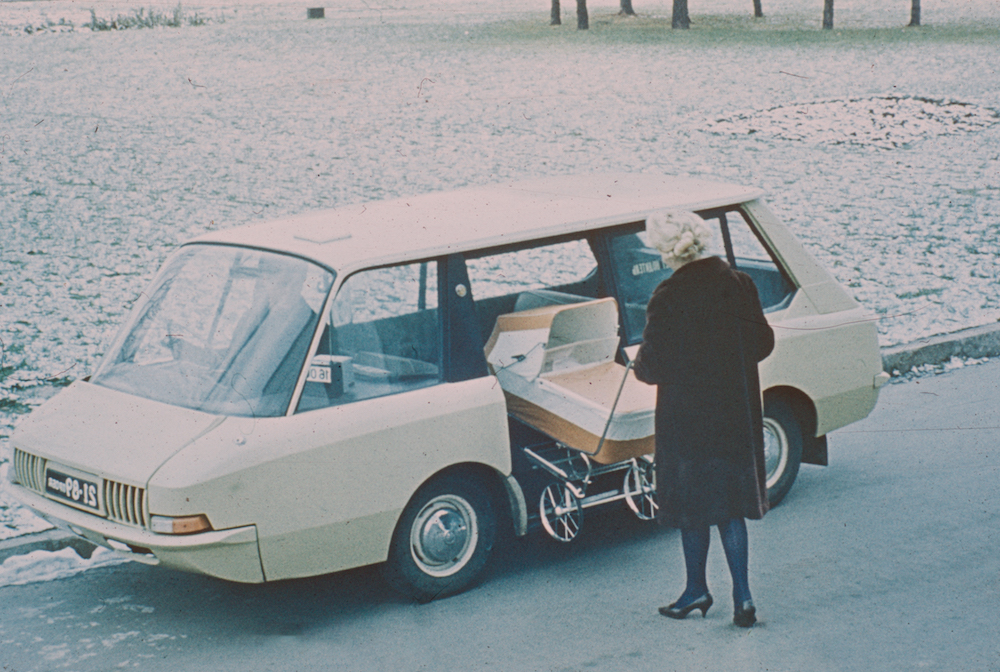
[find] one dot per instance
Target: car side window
(382, 336)
(753, 258)
(510, 281)
(638, 269)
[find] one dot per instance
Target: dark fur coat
(705, 334)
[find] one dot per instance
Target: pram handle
(611, 415)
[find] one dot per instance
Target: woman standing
(705, 333)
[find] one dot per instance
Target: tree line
(680, 18)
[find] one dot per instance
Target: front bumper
(231, 554)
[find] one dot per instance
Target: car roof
(434, 224)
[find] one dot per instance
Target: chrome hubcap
(775, 451)
(444, 535)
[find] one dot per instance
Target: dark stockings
(734, 541)
(695, 541)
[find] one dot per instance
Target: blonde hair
(678, 235)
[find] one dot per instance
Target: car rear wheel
(782, 447)
(443, 539)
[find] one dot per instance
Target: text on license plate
(72, 489)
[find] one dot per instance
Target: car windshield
(225, 330)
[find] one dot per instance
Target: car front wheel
(443, 540)
(782, 448)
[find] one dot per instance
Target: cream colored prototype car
(311, 394)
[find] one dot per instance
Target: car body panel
(324, 488)
(230, 554)
(108, 433)
(840, 383)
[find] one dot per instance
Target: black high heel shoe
(745, 615)
(673, 611)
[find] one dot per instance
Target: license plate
(73, 490)
(320, 374)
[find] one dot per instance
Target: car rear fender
(813, 447)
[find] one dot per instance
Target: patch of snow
(50, 565)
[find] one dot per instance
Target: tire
(782, 448)
(443, 540)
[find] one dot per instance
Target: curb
(971, 343)
(49, 540)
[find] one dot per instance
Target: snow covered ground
(50, 565)
(879, 145)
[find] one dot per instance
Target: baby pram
(556, 365)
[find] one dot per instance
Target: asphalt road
(889, 559)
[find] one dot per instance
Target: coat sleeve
(654, 360)
(758, 337)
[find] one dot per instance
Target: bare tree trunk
(582, 20)
(915, 13)
(680, 18)
(556, 21)
(828, 14)
(758, 11)
(626, 8)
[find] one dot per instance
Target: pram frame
(561, 504)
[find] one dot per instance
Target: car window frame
(327, 318)
(606, 259)
(764, 244)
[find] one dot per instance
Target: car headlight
(179, 524)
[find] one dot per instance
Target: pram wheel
(561, 513)
(639, 488)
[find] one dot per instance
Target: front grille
(122, 503)
(125, 503)
(29, 470)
